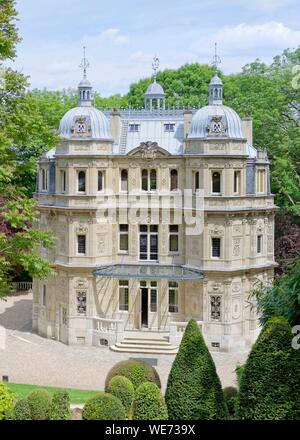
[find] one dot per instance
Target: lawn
(76, 396)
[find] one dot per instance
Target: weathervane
(216, 60)
(84, 63)
(155, 66)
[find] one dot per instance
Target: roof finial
(216, 60)
(84, 63)
(155, 66)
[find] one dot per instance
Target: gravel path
(31, 359)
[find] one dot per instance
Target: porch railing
(177, 329)
(22, 286)
(111, 329)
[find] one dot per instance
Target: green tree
(270, 383)
(8, 31)
(194, 390)
(149, 403)
(282, 298)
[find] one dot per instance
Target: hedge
(22, 410)
(149, 403)
(194, 390)
(123, 389)
(230, 396)
(39, 404)
(137, 372)
(60, 406)
(270, 383)
(104, 407)
(6, 401)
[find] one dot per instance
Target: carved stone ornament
(81, 126)
(216, 127)
(216, 231)
(80, 229)
(149, 150)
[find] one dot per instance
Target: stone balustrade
(106, 331)
(177, 329)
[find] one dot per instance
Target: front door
(144, 307)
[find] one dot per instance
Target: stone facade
(82, 195)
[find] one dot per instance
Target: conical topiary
(270, 383)
(194, 390)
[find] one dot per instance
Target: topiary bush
(60, 406)
(6, 401)
(149, 403)
(39, 404)
(270, 383)
(104, 407)
(230, 396)
(194, 390)
(22, 410)
(123, 389)
(137, 372)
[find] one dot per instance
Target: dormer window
(169, 128)
(134, 128)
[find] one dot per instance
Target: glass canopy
(150, 271)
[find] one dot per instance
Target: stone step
(145, 346)
(137, 349)
(146, 341)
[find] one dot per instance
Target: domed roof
(231, 124)
(84, 83)
(155, 89)
(216, 80)
(97, 124)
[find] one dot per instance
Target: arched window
(152, 180)
(145, 180)
(216, 182)
(100, 181)
(197, 180)
(87, 95)
(81, 181)
(174, 180)
(124, 180)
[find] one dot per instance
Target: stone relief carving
(81, 229)
(236, 247)
(216, 230)
(217, 127)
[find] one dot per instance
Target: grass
(76, 396)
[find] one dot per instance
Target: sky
(122, 37)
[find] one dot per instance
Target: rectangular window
(81, 181)
(44, 179)
(215, 308)
(260, 181)
(216, 247)
(123, 237)
(153, 300)
(63, 181)
(134, 128)
(81, 244)
(44, 299)
(101, 176)
(123, 295)
(259, 244)
(81, 302)
(196, 180)
(124, 180)
(173, 238)
(173, 297)
(149, 242)
(169, 128)
(236, 183)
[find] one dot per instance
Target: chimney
(115, 125)
(187, 117)
(247, 130)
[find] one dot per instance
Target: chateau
(160, 215)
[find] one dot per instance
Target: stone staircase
(145, 345)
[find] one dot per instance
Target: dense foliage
(123, 389)
(104, 407)
(270, 383)
(282, 297)
(194, 390)
(39, 403)
(137, 372)
(149, 403)
(22, 410)
(230, 396)
(6, 400)
(60, 406)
